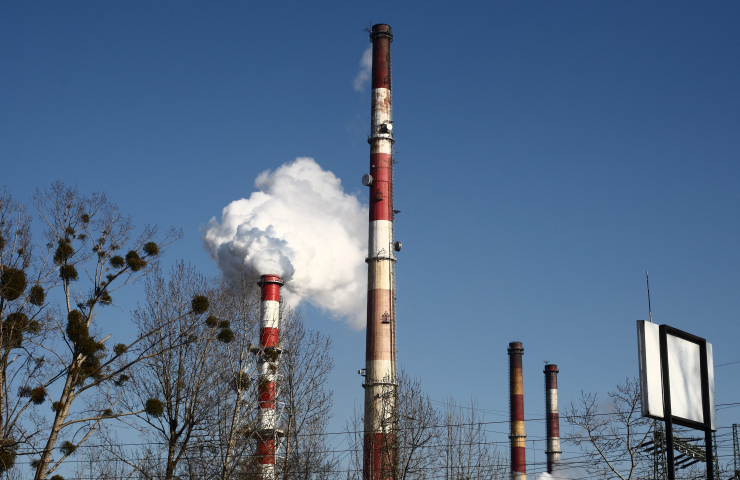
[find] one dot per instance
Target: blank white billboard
(651, 386)
(684, 367)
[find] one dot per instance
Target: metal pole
(706, 410)
(710, 460)
(650, 308)
(736, 451)
(667, 415)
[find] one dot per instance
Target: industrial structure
(516, 412)
(736, 450)
(379, 444)
(553, 418)
(268, 354)
(688, 453)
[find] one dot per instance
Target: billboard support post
(667, 402)
(706, 410)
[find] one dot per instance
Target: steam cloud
(557, 475)
(302, 226)
(366, 66)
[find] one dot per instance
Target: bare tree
(415, 439)
(466, 451)
(227, 449)
(221, 452)
(24, 279)
(173, 392)
(304, 370)
(617, 441)
(83, 238)
(611, 437)
(418, 430)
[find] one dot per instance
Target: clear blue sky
(549, 153)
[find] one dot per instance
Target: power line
(729, 363)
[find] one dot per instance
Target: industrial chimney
(379, 448)
(553, 418)
(268, 356)
(516, 412)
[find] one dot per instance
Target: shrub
(117, 262)
(8, 448)
(36, 295)
(225, 335)
(134, 262)
(271, 355)
(154, 408)
(68, 273)
(13, 327)
(38, 395)
(76, 326)
(67, 448)
(105, 298)
(200, 304)
(120, 349)
(241, 381)
(151, 249)
(121, 380)
(77, 332)
(12, 283)
(63, 252)
(33, 327)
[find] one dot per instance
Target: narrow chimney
(516, 412)
(269, 353)
(379, 448)
(553, 418)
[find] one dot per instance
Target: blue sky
(549, 153)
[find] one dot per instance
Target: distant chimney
(553, 418)
(516, 412)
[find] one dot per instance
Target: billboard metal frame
(668, 417)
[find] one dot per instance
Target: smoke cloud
(301, 225)
(557, 475)
(366, 67)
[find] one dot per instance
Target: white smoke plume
(366, 67)
(556, 475)
(301, 225)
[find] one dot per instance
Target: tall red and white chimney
(380, 455)
(553, 418)
(269, 353)
(516, 412)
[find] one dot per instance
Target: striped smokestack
(553, 418)
(269, 352)
(379, 456)
(516, 412)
